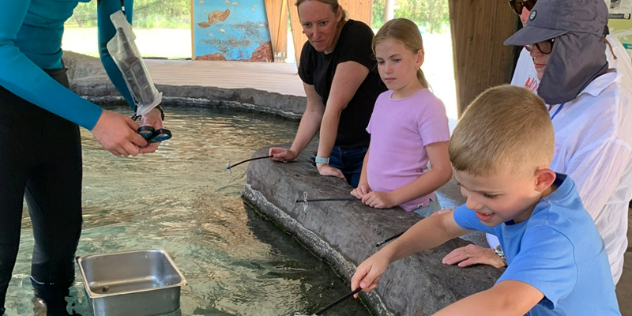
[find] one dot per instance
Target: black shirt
(318, 69)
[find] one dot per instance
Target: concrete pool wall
(342, 233)
(88, 79)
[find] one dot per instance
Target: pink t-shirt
(400, 130)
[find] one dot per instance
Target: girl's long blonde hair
(405, 31)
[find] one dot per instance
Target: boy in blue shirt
(557, 265)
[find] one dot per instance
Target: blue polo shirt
(30, 40)
(558, 251)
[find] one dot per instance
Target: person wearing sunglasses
(525, 73)
(589, 97)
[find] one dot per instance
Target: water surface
(183, 200)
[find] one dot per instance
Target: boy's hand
(369, 272)
(361, 190)
(471, 255)
(379, 199)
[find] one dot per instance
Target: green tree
(433, 14)
(147, 14)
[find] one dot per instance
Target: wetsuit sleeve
(105, 8)
(22, 77)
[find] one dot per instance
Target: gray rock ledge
(344, 233)
(89, 80)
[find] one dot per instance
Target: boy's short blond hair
(506, 128)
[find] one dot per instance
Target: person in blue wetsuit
(40, 149)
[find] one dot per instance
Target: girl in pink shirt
(409, 128)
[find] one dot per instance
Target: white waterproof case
(129, 61)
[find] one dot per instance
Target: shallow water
(183, 200)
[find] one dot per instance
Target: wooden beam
(192, 37)
(298, 38)
(276, 11)
(481, 61)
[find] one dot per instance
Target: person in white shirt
(591, 111)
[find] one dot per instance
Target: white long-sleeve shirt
(593, 145)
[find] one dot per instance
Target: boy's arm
(427, 233)
(507, 297)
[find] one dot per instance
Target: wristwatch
(322, 160)
(499, 251)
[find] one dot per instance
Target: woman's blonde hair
(332, 3)
(405, 31)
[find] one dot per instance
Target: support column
(481, 61)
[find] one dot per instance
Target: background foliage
(431, 15)
(147, 14)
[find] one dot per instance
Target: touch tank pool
(183, 200)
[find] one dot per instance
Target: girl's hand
(369, 272)
(282, 154)
(327, 170)
(379, 199)
(361, 190)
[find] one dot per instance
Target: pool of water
(183, 200)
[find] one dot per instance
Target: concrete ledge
(344, 233)
(89, 79)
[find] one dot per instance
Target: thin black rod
(320, 312)
(251, 159)
(389, 239)
(324, 200)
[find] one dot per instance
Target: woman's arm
(22, 77)
(310, 122)
(438, 175)
(347, 79)
(106, 29)
(307, 129)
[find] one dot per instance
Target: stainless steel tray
(145, 282)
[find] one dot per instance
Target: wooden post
(389, 10)
(298, 38)
(276, 11)
(192, 37)
(481, 61)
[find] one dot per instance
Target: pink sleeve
(433, 122)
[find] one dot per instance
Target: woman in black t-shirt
(341, 84)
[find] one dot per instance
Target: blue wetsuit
(30, 40)
(40, 148)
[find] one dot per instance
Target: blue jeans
(349, 161)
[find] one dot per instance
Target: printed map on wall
(231, 30)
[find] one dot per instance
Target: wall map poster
(230, 30)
